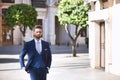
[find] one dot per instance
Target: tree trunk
(23, 31)
(73, 38)
(74, 48)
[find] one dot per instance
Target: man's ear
(33, 34)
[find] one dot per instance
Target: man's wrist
(48, 68)
(23, 68)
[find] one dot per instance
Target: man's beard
(38, 37)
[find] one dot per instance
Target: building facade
(6, 34)
(53, 32)
(103, 35)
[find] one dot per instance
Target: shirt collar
(37, 40)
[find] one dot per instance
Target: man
(39, 56)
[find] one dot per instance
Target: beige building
(53, 32)
(104, 37)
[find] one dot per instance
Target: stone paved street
(64, 66)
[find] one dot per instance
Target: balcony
(39, 3)
(52, 2)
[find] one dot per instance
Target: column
(94, 44)
(45, 29)
(108, 54)
(17, 39)
(51, 26)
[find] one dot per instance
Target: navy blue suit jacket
(30, 50)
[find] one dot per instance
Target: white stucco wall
(94, 35)
(94, 46)
(111, 18)
(116, 40)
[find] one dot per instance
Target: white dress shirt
(38, 45)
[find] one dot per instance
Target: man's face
(38, 33)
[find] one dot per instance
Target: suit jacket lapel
(42, 46)
(33, 44)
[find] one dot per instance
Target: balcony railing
(7, 1)
(52, 2)
(44, 3)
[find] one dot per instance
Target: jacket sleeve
(22, 55)
(49, 57)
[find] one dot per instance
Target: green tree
(23, 15)
(73, 12)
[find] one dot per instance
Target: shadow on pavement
(11, 49)
(9, 69)
(9, 60)
(55, 49)
(15, 50)
(77, 66)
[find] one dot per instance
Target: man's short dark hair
(37, 27)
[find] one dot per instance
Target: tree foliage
(73, 12)
(23, 15)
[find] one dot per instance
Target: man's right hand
(23, 68)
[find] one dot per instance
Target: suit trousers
(38, 73)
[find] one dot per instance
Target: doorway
(61, 36)
(7, 35)
(102, 45)
(7, 32)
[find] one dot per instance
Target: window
(4, 11)
(83, 32)
(39, 22)
(104, 0)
